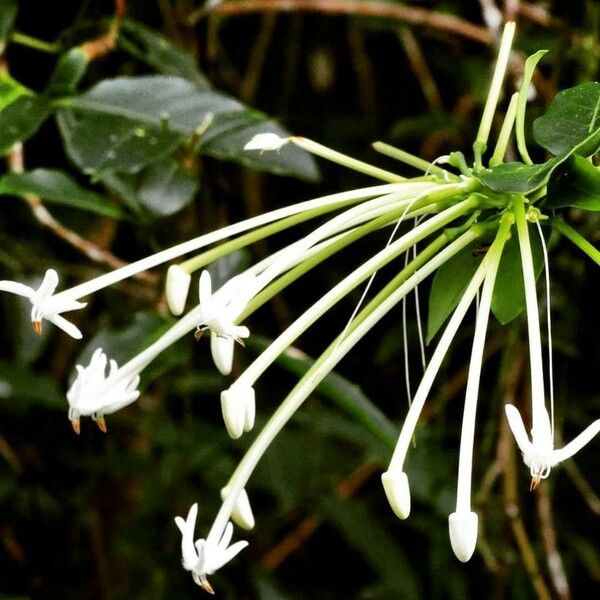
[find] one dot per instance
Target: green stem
(577, 239)
(505, 131)
(494, 93)
(346, 161)
(412, 160)
(26, 40)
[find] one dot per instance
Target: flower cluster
(451, 209)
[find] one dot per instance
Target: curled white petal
(46, 305)
(189, 554)
(463, 527)
(397, 491)
(177, 287)
(266, 141)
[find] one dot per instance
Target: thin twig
(16, 164)
(399, 12)
(556, 568)
(420, 68)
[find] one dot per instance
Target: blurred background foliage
(92, 516)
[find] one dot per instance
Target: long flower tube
(463, 522)
(240, 388)
(430, 259)
(395, 480)
(539, 453)
(334, 201)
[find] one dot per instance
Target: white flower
(45, 305)
(238, 404)
(203, 557)
(539, 453)
(219, 317)
(176, 287)
(95, 394)
(266, 141)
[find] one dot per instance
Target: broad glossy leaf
(448, 286)
(21, 119)
(508, 299)
(159, 52)
(523, 179)
(516, 177)
(574, 183)
(68, 72)
(573, 115)
(165, 188)
(126, 123)
(58, 187)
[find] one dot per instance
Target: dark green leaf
(575, 183)
(8, 14)
(21, 119)
(126, 123)
(68, 72)
(10, 90)
(516, 177)
(21, 388)
(573, 115)
(58, 187)
(159, 52)
(508, 300)
(165, 188)
(448, 286)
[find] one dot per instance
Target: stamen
(75, 424)
(37, 327)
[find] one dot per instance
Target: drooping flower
(45, 305)
(539, 453)
(95, 393)
(219, 317)
(238, 404)
(204, 557)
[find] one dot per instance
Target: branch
(397, 12)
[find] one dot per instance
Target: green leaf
(21, 389)
(58, 187)
(21, 119)
(126, 123)
(8, 14)
(449, 283)
(165, 188)
(69, 70)
(159, 52)
(516, 177)
(523, 179)
(575, 183)
(508, 299)
(10, 90)
(573, 115)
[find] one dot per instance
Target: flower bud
(397, 491)
(241, 514)
(266, 141)
(463, 533)
(177, 287)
